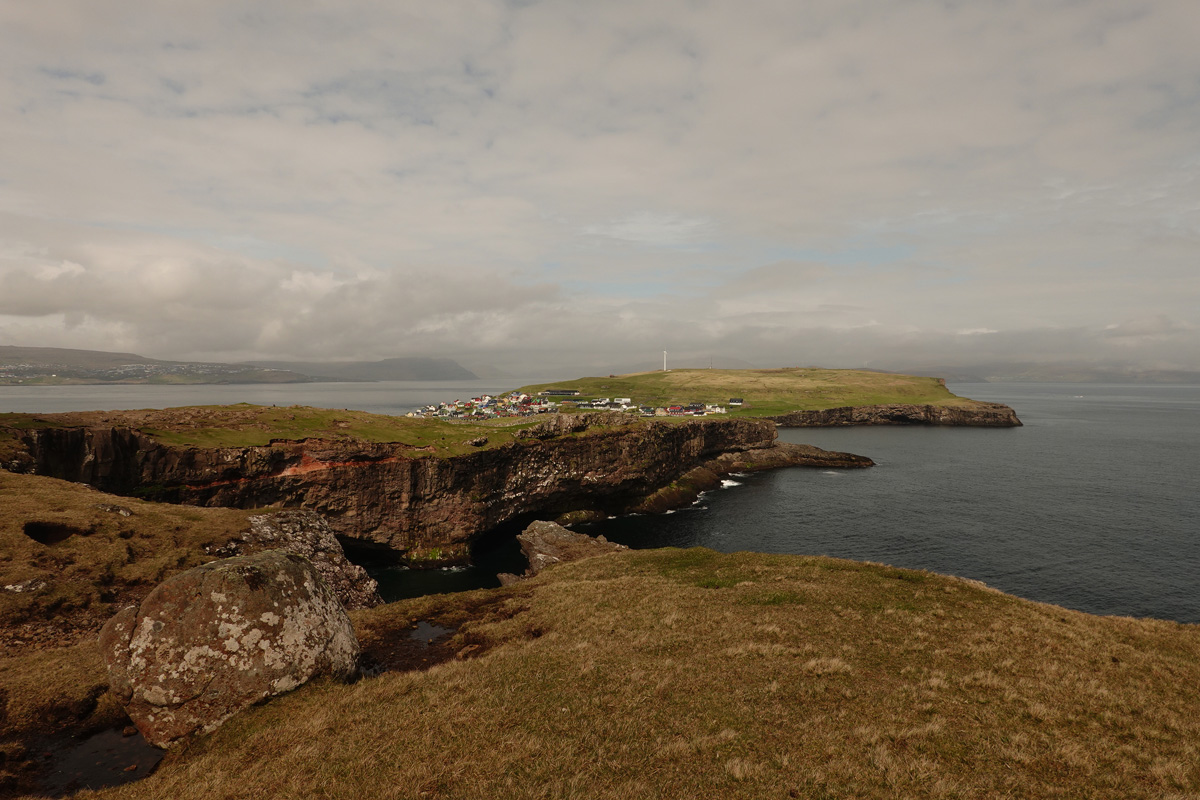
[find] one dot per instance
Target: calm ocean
(1093, 505)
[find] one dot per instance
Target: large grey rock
(308, 534)
(545, 543)
(214, 640)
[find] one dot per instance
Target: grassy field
(689, 674)
(766, 392)
(245, 425)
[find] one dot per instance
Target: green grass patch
(80, 558)
(246, 425)
(766, 392)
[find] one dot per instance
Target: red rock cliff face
(380, 492)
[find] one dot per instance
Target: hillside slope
(688, 674)
(666, 673)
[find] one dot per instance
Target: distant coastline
(53, 366)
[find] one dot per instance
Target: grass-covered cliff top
(689, 674)
(766, 392)
(667, 673)
(246, 425)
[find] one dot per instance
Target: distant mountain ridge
(61, 356)
(56, 365)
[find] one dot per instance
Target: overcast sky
(575, 186)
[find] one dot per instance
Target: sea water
(1092, 505)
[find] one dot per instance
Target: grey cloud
(275, 179)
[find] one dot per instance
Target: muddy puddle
(418, 647)
(60, 767)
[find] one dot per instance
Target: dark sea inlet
(1093, 505)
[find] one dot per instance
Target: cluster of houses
(518, 404)
(514, 404)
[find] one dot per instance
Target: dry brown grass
(691, 674)
(106, 559)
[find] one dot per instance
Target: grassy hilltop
(766, 392)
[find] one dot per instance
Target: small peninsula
(791, 397)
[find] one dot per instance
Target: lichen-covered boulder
(216, 639)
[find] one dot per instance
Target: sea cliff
(978, 414)
(425, 506)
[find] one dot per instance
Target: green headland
(764, 392)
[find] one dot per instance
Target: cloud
(297, 179)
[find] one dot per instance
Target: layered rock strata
(416, 503)
(981, 415)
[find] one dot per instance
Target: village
(518, 404)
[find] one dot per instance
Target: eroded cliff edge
(422, 505)
(978, 414)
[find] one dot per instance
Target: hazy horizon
(567, 188)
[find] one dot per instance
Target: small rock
(115, 509)
(24, 587)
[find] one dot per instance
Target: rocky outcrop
(983, 415)
(545, 543)
(308, 535)
(563, 424)
(786, 454)
(387, 494)
(212, 641)
(683, 490)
